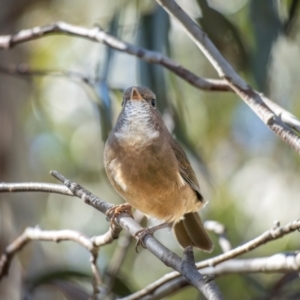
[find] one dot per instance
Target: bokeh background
(249, 176)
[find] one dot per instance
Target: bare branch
(283, 114)
(220, 231)
(225, 71)
(209, 290)
(119, 255)
(98, 35)
(272, 234)
(35, 187)
(30, 234)
(37, 234)
(24, 70)
(278, 263)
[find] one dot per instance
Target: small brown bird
(150, 170)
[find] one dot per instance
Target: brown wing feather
(185, 168)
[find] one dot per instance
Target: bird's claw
(113, 213)
(140, 235)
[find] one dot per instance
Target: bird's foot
(141, 234)
(117, 210)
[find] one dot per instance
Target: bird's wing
(185, 168)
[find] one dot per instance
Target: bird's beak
(135, 94)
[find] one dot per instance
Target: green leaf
(224, 34)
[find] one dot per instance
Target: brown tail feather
(191, 232)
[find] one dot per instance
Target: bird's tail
(190, 231)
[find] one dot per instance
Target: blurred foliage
(224, 34)
(250, 177)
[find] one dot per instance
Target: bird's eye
(153, 102)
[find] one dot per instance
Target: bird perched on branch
(150, 170)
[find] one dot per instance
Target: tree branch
(35, 187)
(24, 70)
(225, 71)
(208, 289)
(272, 234)
(119, 254)
(220, 230)
(278, 263)
(36, 234)
(97, 35)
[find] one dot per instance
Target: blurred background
(60, 121)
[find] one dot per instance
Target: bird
(151, 172)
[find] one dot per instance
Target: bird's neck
(135, 125)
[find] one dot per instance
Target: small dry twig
(37, 234)
(119, 255)
(220, 230)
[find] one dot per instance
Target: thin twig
(277, 263)
(24, 70)
(37, 234)
(119, 255)
(220, 230)
(35, 187)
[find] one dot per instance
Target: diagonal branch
(252, 98)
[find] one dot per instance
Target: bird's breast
(136, 127)
(151, 183)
